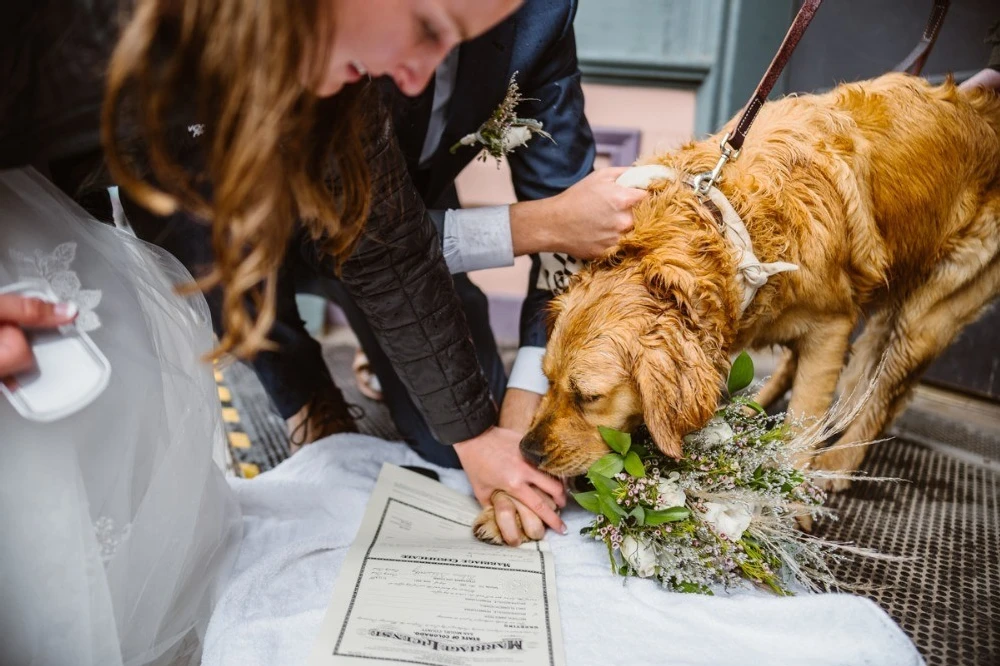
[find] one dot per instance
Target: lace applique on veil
(109, 537)
(54, 269)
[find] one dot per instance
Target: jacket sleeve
(548, 167)
(400, 281)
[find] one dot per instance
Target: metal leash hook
(704, 181)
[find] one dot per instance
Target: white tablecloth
(301, 517)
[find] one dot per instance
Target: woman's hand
(493, 462)
(18, 313)
(584, 221)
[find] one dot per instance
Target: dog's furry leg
(486, 529)
(866, 352)
(924, 325)
(820, 360)
(779, 382)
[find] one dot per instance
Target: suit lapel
(480, 86)
(411, 116)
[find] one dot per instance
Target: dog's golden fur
(886, 193)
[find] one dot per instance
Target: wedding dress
(117, 529)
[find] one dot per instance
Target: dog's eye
(588, 399)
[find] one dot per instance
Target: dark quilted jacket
(52, 55)
(399, 279)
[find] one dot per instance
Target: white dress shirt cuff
(477, 238)
(527, 372)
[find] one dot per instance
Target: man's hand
(493, 463)
(583, 221)
(18, 313)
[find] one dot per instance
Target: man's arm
(583, 221)
(401, 283)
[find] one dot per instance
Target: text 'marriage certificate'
(418, 588)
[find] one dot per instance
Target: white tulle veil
(116, 525)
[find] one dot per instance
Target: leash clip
(704, 181)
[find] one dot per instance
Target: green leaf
(611, 510)
(741, 374)
(634, 466)
(755, 406)
(671, 515)
(617, 440)
(604, 485)
(589, 501)
(608, 466)
(639, 514)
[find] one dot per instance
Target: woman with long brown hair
(278, 154)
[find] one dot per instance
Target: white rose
(715, 432)
(728, 520)
(515, 137)
(640, 555)
(669, 493)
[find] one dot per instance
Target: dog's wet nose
(534, 457)
(531, 450)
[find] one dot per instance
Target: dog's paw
(832, 461)
(485, 527)
(805, 523)
(832, 485)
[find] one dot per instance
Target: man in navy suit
(537, 43)
(562, 207)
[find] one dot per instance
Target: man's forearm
(531, 226)
(987, 78)
(518, 410)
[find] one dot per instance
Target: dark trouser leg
(292, 375)
(409, 421)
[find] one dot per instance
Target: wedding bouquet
(723, 514)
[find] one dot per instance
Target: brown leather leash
(914, 63)
(732, 143)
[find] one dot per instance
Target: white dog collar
(750, 271)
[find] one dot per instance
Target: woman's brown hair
(270, 146)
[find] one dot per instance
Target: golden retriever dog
(885, 193)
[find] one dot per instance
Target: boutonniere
(504, 131)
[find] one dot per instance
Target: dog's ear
(670, 286)
(678, 384)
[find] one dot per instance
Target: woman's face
(404, 39)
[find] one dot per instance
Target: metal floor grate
(945, 516)
(266, 429)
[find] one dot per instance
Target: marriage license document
(418, 588)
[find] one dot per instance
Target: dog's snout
(533, 447)
(532, 456)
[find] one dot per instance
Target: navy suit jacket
(538, 43)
